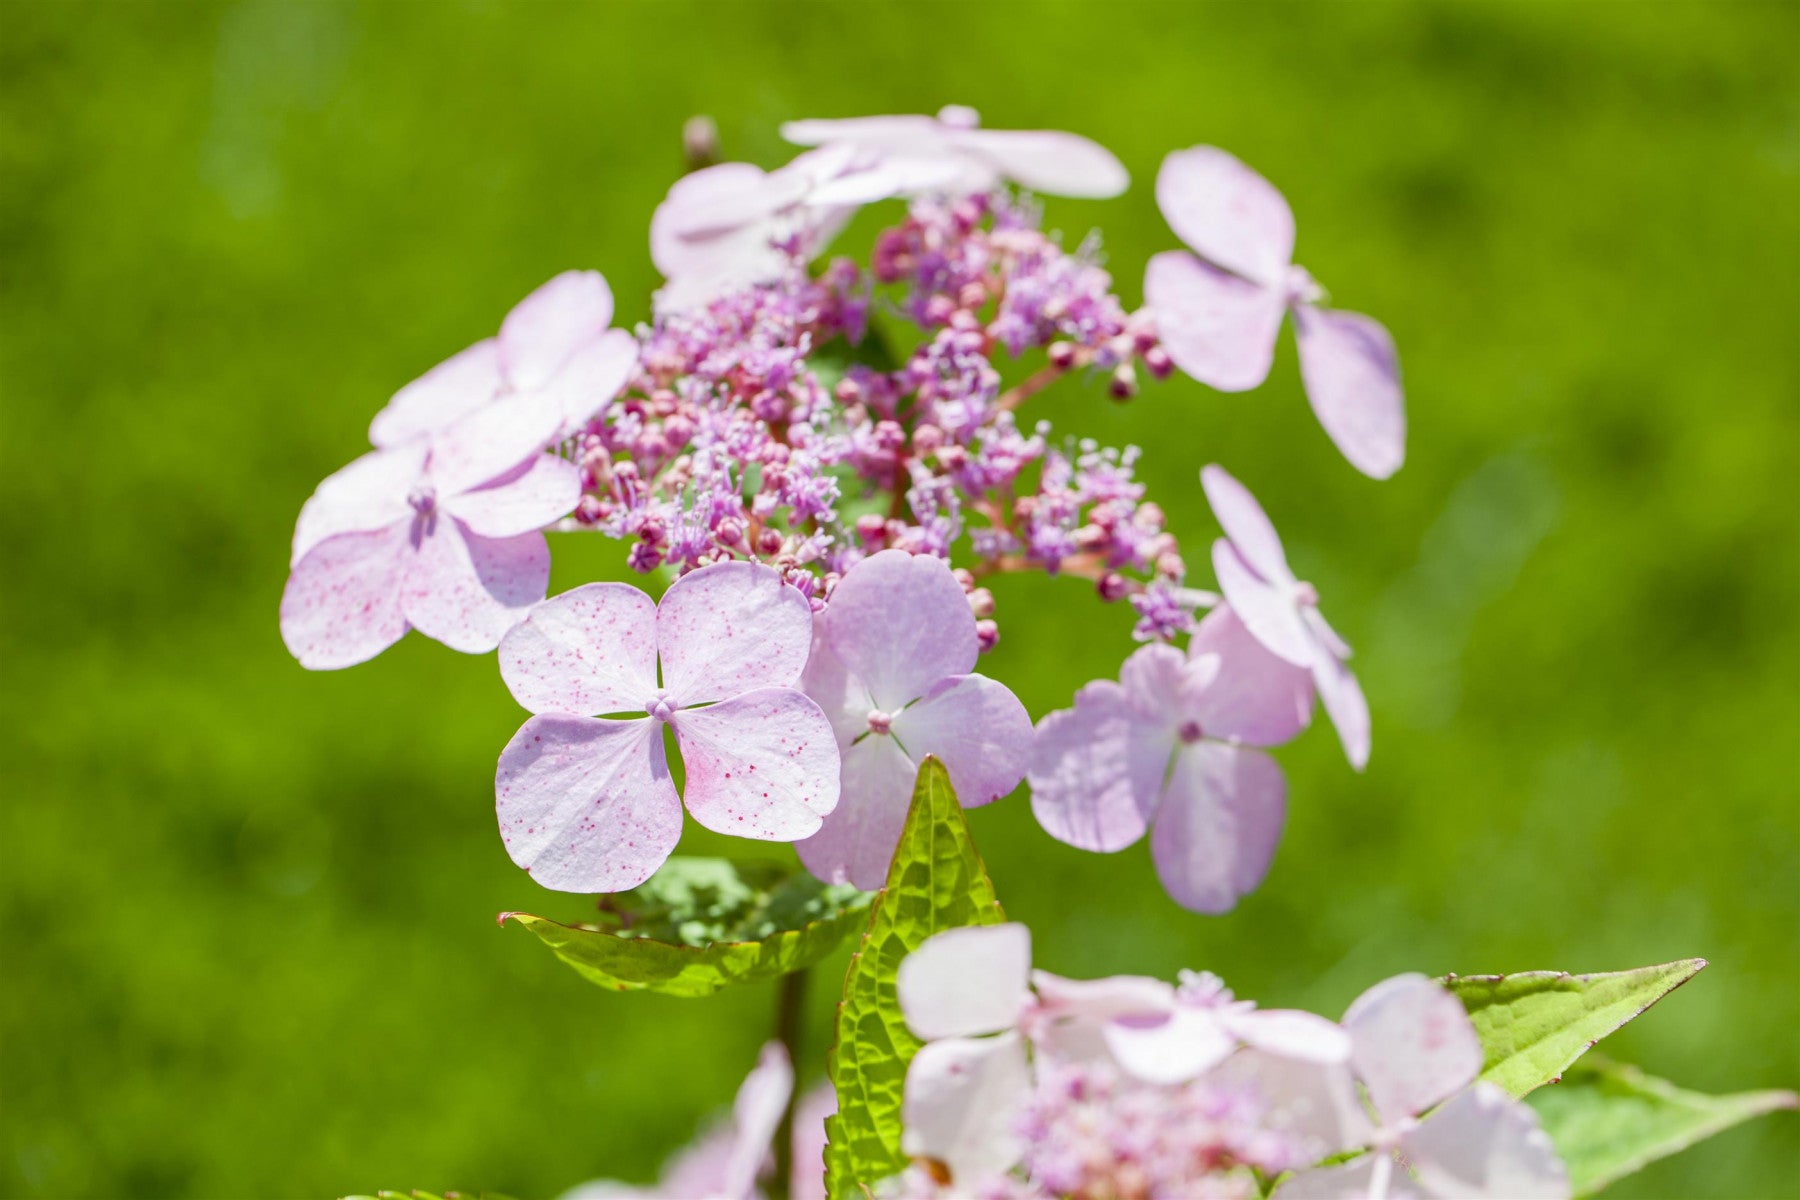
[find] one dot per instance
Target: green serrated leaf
(936, 882)
(1609, 1120)
(1535, 1023)
(701, 925)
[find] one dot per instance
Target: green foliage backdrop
(248, 933)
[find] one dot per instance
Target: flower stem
(790, 1014)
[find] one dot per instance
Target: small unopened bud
(987, 634)
(938, 310)
(699, 142)
(1124, 382)
(1090, 537)
(730, 531)
(972, 296)
(1149, 515)
(848, 391)
(954, 458)
(927, 439)
(1062, 355)
(1170, 565)
(651, 531)
(1159, 363)
(964, 577)
(1112, 586)
(871, 527)
(768, 542)
(981, 602)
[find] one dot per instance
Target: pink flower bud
(1062, 355)
(871, 528)
(768, 542)
(987, 634)
(927, 439)
(1112, 586)
(981, 602)
(1123, 385)
(1159, 363)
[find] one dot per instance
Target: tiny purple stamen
(880, 722)
(1190, 732)
(422, 498)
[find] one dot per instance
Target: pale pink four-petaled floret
(1218, 309)
(1171, 749)
(995, 1030)
(1439, 1132)
(438, 529)
(1281, 610)
(891, 666)
(586, 804)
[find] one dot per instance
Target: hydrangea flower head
(1281, 610)
(1439, 1133)
(586, 804)
(1170, 749)
(891, 666)
(1219, 308)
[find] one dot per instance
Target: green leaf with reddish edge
(1535, 1023)
(936, 882)
(711, 924)
(1609, 1120)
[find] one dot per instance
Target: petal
(1484, 1144)
(962, 1099)
(458, 385)
(531, 496)
(1156, 679)
(1290, 1033)
(1227, 212)
(1313, 1104)
(1352, 377)
(586, 651)
(1071, 1017)
(546, 327)
(1246, 524)
(845, 700)
(1218, 328)
(369, 494)
(756, 1113)
(730, 627)
(1256, 696)
(1173, 1048)
(857, 840)
(594, 374)
(1413, 1045)
(1347, 706)
(1218, 824)
(705, 203)
(980, 731)
(490, 442)
(1049, 161)
(1353, 1180)
(587, 805)
(759, 765)
(816, 1104)
(968, 981)
(466, 591)
(900, 622)
(1268, 610)
(341, 605)
(701, 1168)
(1097, 770)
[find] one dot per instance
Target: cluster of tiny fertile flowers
(796, 423)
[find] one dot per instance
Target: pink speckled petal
(458, 385)
(900, 622)
(528, 498)
(858, 837)
(1219, 328)
(1348, 708)
(466, 591)
(759, 765)
(1227, 212)
(1352, 377)
(1256, 696)
(962, 1101)
(1269, 611)
(968, 981)
(1217, 827)
(368, 494)
(980, 731)
(1157, 680)
(844, 700)
(587, 805)
(730, 627)
(1050, 161)
(1413, 1045)
(1290, 1033)
(1097, 770)
(587, 383)
(1171, 1048)
(1246, 524)
(341, 605)
(548, 326)
(755, 1115)
(585, 651)
(1483, 1144)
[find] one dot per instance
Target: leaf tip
(502, 918)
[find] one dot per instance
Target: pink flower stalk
(586, 804)
(952, 155)
(1170, 750)
(1280, 610)
(1439, 1132)
(438, 529)
(1218, 310)
(890, 665)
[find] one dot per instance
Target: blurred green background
(249, 946)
